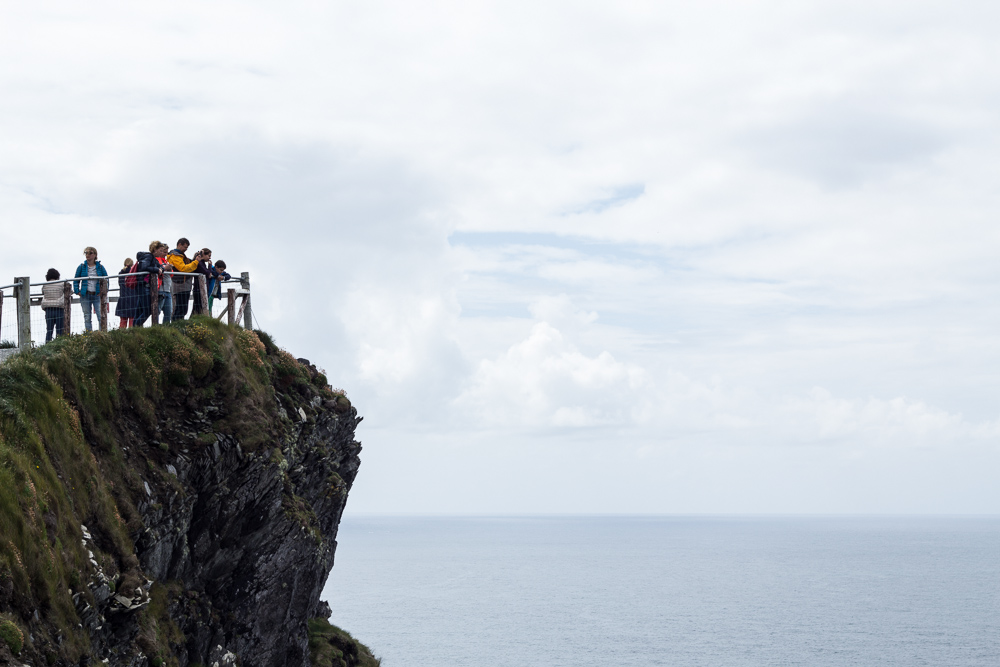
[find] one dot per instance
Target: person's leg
(167, 307)
(141, 309)
(87, 303)
(123, 323)
(60, 322)
(180, 305)
(50, 322)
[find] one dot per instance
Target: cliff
(170, 496)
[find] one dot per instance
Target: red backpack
(132, 281)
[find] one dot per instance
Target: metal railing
(236, 303)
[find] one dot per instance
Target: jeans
(165, 304)
(90, 300)
(53, 320)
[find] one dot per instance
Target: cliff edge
(170, 496)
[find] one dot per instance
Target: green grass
(66, 409)
(329, 646)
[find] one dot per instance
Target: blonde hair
(128, 262)
(153, 245)
(89, 249)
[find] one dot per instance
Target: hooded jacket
(179, 262)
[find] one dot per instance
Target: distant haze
(626, 257)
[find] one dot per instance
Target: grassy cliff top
(68, 410)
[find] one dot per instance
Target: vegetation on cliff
(77, 417)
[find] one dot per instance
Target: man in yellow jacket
(182, 285)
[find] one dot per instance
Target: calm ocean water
(623, 591)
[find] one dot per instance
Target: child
(215, 284)
(53, 301)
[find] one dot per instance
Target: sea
(667, 590)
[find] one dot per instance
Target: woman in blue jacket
(89, 290)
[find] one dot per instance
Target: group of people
(134, 301)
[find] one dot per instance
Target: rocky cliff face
(184, 505)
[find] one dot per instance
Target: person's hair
(182, 241)
(221, 264)
(89, 249)
(128, 262)
(162, 245)
(206, 251)
(52, 274)
(153, 245)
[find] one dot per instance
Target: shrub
(12, 635)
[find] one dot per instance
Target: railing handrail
(24, 300)
(119, 275)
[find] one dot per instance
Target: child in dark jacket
(215, 283)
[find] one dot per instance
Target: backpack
(132, 281)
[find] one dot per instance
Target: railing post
(247, 316)
(203, 290)
(22, 293)
(154, 299)
(1, 311)
(231, 306)
(67, 307)
(104, 305)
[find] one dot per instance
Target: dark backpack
(133, 280)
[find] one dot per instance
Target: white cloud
(646, 223)
(545, 380)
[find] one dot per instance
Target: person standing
(181, 284)
(125, 310)
(89, 290)
(53, 300)
(165, 303)
(150, 268)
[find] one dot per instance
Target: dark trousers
(181, 305)
(53, 320)
(142, 305)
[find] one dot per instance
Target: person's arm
(76, 283)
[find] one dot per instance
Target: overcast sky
(563, 256)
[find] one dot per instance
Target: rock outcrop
(188, 488)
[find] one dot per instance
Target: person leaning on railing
(90, 292)
(147, 263)
(53, 301)
(182, 284)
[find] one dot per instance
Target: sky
(564, 257)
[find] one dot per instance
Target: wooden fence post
(154, 299)
(231, 306)
(203, 289)
(247, 316)
(67, 307)
(23, 295)
(1, 311)
(104, 305)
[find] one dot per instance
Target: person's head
(128, 262)
(159, 249)
(221, 264)
(153, 245)
(183, 244)
(90, 252)
(52, 274)
(206, 254)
